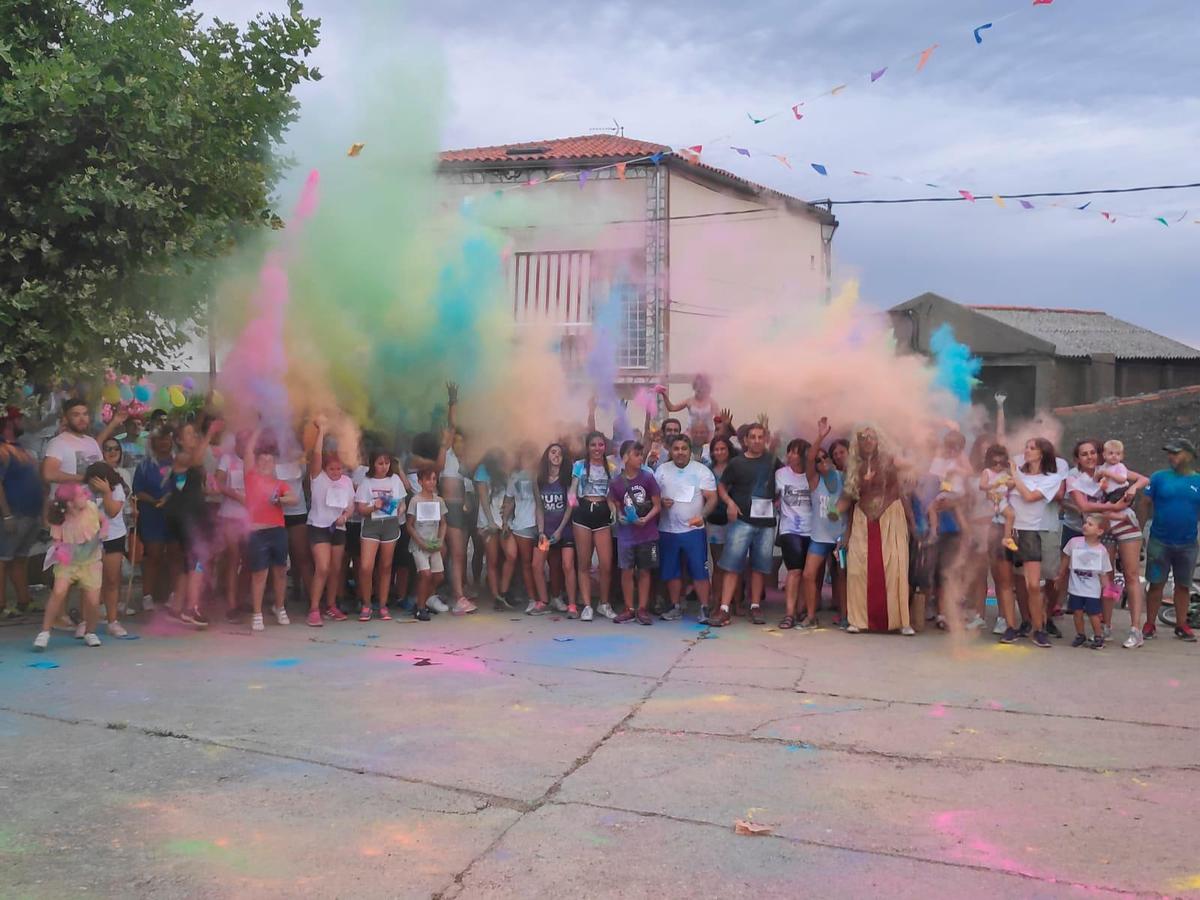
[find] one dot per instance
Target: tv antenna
(617, 128)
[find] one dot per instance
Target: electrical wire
(983, 195)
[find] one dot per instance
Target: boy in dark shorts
(634, 497)
(1090, 573)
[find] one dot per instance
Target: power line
(982, 195)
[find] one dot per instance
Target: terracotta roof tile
(589, 146)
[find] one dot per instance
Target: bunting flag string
(922, 58)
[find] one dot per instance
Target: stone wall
(1143, 423)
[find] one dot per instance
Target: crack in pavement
(849, 848)
(458, 882)
(856, 750)
(157, 732)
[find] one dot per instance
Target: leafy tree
(136, 146)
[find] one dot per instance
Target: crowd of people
(625, 527)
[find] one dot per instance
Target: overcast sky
(1080, 94)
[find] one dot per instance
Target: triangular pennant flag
(1161, 219)
(583, 177)
(999, 200)
(742, 150)
(877, 74)
(783, 159)
(932, 185)
(557, 176)
(925, 54)
(978, 36)
(1182, 217)
(1085, 206)
(837, 90)
(1042, 2)
(355, 148)
(796, 111)
(532, 181)
(967, 195)
(655, 158)
(1025, 204)
(696, 149)
(621, 170)
(819, 169)
(1108, 216)
(857, 172)
(754, 120)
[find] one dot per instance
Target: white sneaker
(147, 603)
(559, 604)
(42, 641)
(907, 631)
(256, 622)
(80, 631)
(91, 640)
(281, 616)
(437, 604)
(976, 623)
(1001, 626)
(585, 614)
(605, 610)
(1135, 639)
(116, 629)
(529, 608)
(1107, 632)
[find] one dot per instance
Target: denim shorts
(677, 549)
(1176, 559)
(17, 537)
(267, 548)
(742, 538)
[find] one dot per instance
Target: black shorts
(296, 519)
(592, 514)
(921, 562)
(1029, 546)
(456, 515)
(116, 545)
(795, 550)
(334, 536)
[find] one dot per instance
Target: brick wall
(1142, 422)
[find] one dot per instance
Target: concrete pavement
(503, 756)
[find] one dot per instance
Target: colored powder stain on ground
(800, 748)
(42, 664)
(212, 852)
(937, 711)
(283, 663)
(1187, 883)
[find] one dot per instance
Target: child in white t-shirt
(1090, 573)
(427, 535)
(1113, 476)
(950, 467)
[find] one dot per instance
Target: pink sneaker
(463, 606)
(336, 614)
(314, 619)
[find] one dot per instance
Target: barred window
(631, 352)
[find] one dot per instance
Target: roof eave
(749, 188)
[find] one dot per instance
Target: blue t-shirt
(1176, 506)
(22, 483)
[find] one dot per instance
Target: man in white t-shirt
(689, 494)
(73, 449)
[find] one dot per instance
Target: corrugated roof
(1084, 332)
(586, 146)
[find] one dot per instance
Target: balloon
(126, 392)
(142, 393)
(175, 395)
(111, 393)
(189, 383)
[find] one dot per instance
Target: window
(631, 350)
(552, 287)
